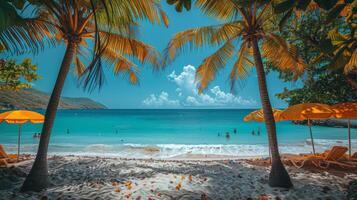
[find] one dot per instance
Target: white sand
(109, 178)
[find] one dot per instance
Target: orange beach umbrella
(20, 117)
(307, 111)
(258, 115)
(346, 111)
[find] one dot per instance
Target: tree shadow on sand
(95, 177)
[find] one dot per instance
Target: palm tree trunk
(278, 177)
(37, 179)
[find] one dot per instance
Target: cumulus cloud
(186, 79)
(161, 100)
(214, 97)
(187, 93)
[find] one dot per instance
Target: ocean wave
(131, 150)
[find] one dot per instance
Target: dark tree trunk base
(278, 176)
(36, 180)
(37, 184)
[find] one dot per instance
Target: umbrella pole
(349, 138)
(18, 144)
(312, 139)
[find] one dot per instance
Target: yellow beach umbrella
(20, 117)
(307, 111)
(258, 115)
(346, 111)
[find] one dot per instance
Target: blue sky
(173, 87)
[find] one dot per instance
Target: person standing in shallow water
(253, 133)
(235, 131)
(258, 132)
(67, 130)
(228, 136)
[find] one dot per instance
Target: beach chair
(6, 158)
(334, 156)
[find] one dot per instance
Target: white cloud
(192, 101)
(188, 94)
(161, 100)
(214, 97)
(186, 79)
(179, 92)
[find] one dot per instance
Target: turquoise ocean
(168, 133)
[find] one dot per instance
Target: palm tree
(102, 30)
(251, 25)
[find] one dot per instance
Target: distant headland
(35, 99)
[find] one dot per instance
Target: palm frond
(134, 48)
(79, 67)
(140, 10)
(352, 63)
(216, 8)
(206, 72)
(243, 65)
(201, 37)
(121, 65)
(282, 54)
(22, 35)
(227, 32)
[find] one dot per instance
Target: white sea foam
(129, 150)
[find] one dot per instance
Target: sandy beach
(75, 177)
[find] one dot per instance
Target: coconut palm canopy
(236, 31)
(108, 27)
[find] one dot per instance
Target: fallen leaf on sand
(178, 186)
(262, 198)
(129, 185)
(114, 183)
(127, 195)
(190, 178)
(159, 194)
(117, 190)
(203, 196)
(182, 177)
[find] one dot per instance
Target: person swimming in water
(258, 132)
(227, 135)
(67, 130)
(253, 132)
(34, 135)
(235, 131)
(219, 134)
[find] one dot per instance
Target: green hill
(35, 99)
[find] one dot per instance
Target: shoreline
(79, 177)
